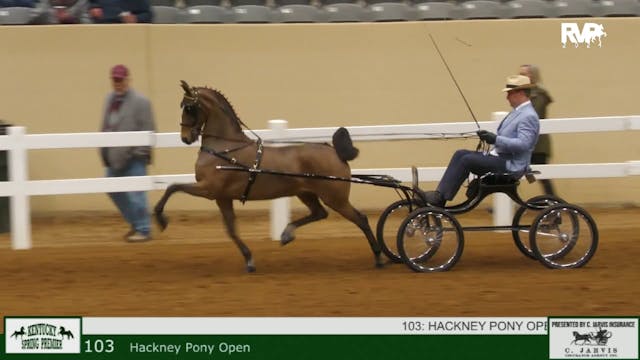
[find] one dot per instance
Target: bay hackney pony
(207, 113)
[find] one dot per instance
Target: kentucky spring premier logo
(591, 33)
(42, 335)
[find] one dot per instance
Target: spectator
(512, 145)
(127, 110)
(18, 3)
(540, 99)
(64, 11)
(34, 16)
(120, 11)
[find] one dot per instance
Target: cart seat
(504, 181)
(507, 178)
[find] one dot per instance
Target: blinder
(190, 105)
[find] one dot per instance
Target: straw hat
(517, 82)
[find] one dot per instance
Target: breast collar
(232, 160)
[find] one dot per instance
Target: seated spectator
(18, 3)
(120, 11)
(64, 11)
(33, 5)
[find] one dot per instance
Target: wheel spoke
(564, 236)
(430, 239)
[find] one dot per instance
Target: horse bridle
(190, 104)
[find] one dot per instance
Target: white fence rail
(19, 188)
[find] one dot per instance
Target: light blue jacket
(517, 137)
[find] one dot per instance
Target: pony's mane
(226, 106)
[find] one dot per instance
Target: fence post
(20, 208)
(280, 214)
(502, 206)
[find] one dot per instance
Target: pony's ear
(185, 87)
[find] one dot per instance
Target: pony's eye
(190, 109)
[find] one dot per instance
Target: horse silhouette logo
(580, 337)
(596, 33)
(66, 333)
(599, 338)
(590, 33)
(17, 333)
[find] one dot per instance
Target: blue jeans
(133, 204)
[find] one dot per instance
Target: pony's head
(206, 112)
(193, 114)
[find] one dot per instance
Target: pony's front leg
(195, 189)
(226, 208)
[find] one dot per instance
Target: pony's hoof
(251, 267)
(379, 262)
(286, 238)
(161, 220)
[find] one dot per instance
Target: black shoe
(434, 198)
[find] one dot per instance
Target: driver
(511, 149)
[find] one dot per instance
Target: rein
(191, 104)
(431, 136)
(259, 151)
(222, 154)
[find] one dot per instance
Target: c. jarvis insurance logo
(42, 335)
(593, 338)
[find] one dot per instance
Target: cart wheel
(388, 224)
(430, 239)
(564, 236)
(523, 219)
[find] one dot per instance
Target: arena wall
(55, 79)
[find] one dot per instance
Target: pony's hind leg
(195, 189)
(226, 208)
(318, 212)
(350, 213)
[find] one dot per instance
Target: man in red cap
(127, 110)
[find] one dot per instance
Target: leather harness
(191, 104)
(234, 161)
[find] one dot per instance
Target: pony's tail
(343, 145)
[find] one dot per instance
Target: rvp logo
(589, 34)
